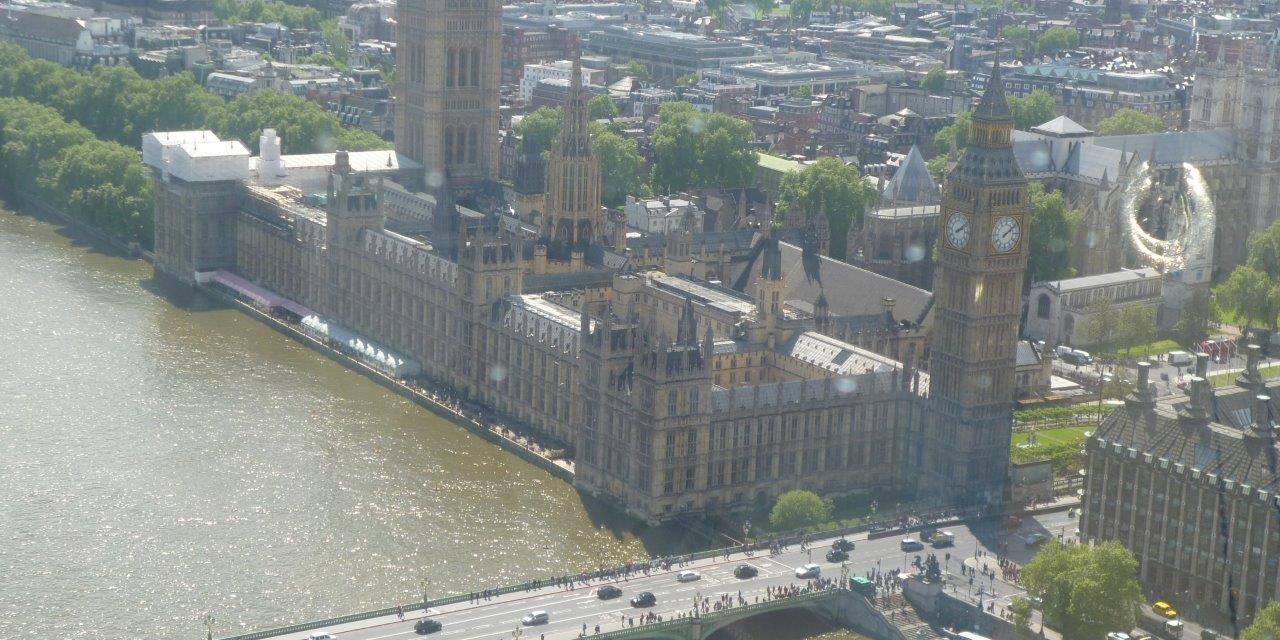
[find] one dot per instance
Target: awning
(246, 288)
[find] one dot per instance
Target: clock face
(958, 229)
(1005, 234)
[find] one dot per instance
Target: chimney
(1142, 395)
(1259, 432)
(1196, 412)
(1202, 365)
(1249, 378)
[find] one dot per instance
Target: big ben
(982, 255)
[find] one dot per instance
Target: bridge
(577, 610)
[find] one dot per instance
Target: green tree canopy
(763, 7)
(1088, 589)
(291, 16)
(692, 148)
(934, 81)
(638, 69)
(1015, 33)
(1102, 327)
(304, 126)
(1266, 624)
(1250, 296)
(1263, 251)
(804, 91)
(621, 166)
(1053, 227)
(601, 106)
(957, 132)
(538, 130)
(336, 42)
(938, 167)
(800, 11)
(1057, 39)
(1037, 107)
(797, 509)
(828, 187)
(1137, 326)
(1130, 121)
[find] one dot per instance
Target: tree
(1100, 328)
(1088, 589)
(695, 148)
(938, 167)
(621, 166)
(1017, 34)
(1193, 322)
(956, 133)
(1057, 39)
(1263, 251)
(828, 187)
(1037, 107)
(337, 43)
(539, 129)
(801, 10)
(1266, 624)
(1250, 296)
(1137, 326)
(934, 81)
(1129, 121)
(601, 106)
(638, 69)
(804, 91)
(1052, 228)
(1020, 607)
(687, 80)
(799, 508)
(763, 7)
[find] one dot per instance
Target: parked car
(535, 617)
(808, 571)
(835, 555)
(688, 576)
(608, 592)
(426, 625)
(744, 571)
(1036, 538)
(1164, 609)
(842, 545)
(321, 635)
(644, 599)
(911, 544)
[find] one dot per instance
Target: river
(163, 457)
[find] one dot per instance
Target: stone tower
(449, 54)
(573, 219)
(978, 292)
(352, 208)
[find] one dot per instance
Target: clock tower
(982, 255)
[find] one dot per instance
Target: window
(691, 442)
(671, 445)
(671, 403)
(690, 474)
(668, 482)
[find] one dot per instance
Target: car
(911, 544)
(321, 635)
(426, 625)
(842, 545)
(608, 592)
(535, 617)
(1164, 609)
(808, 571)
(1036, 538)
(744, 571)
(644, 599)
(688, 576)
(1117, 635)
(1036, 602)
(835, 555)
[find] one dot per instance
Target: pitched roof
(1062, 127)
(993, 105)
(912, 182)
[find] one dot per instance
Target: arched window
(450, 65)
(472, 143)
(1042, 306)
(1206, 107)
(462, 68)
(475, 66)
(448, 145)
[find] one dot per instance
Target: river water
(162, 457)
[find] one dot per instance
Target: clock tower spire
(982, 255)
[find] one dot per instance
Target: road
(569, 610)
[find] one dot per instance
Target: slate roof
(38, 26)
(1220, 447)
(1062, 127)
(912, 183)
(836, 356)
(1176, 147)
(993, 105)
(1039, 154)
(852, 292)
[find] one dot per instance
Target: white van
(1180, 359)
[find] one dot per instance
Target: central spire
(575, 134)
(993, 105)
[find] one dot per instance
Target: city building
(1187, 482)
(668, 53)
(816, 78)
(447, 95)
(982, 255)
(1064, 311)
(70, 40)
(898, 233)
(558, 70)
(521, 47)
(661, 215)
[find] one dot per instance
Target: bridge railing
(658, 628)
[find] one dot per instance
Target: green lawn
(1225, 379)
(1055, 436)
(1163, 345)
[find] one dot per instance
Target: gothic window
(475, 66)
(448, 145)
(450, 65)
(462, 68)
(472, 142)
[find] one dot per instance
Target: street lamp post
(208, 621)
(423, 586)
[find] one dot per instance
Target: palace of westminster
(687, 381)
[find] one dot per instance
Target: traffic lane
(504, 612)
